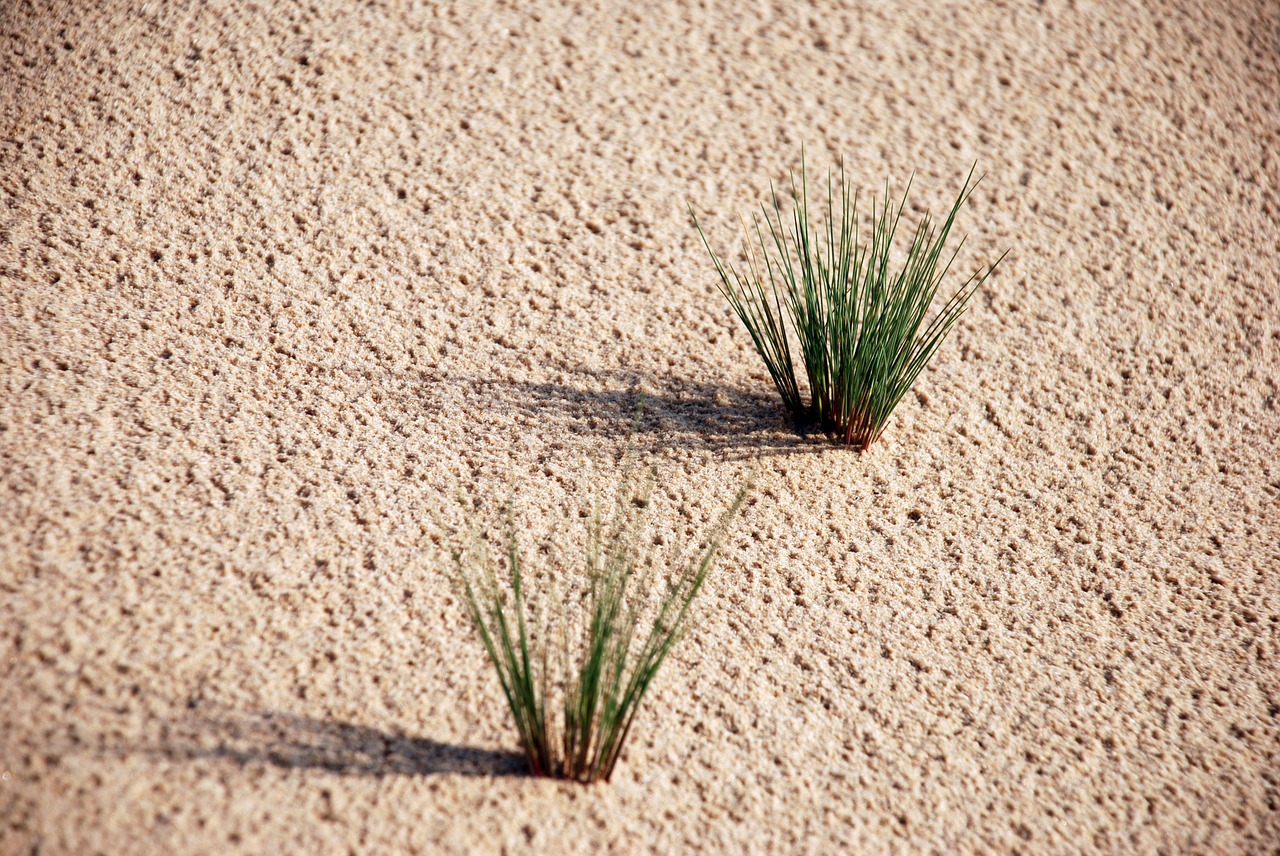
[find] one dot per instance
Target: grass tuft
(574, 680)
(859, 324)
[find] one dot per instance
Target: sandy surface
(273, 275)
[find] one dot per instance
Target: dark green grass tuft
(575, 683)
(858, 324)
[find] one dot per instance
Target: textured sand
(272, 276)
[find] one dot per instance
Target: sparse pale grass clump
(857, 321)
(575, 662)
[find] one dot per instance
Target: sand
(274, 276)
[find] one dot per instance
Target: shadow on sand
(676, 414)
(586, 401)
(299, 742)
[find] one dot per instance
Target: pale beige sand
(273, 274)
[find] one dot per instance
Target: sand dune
(273, 276)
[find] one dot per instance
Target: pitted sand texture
(275, 275)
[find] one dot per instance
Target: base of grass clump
(574, 677)
(859, 326)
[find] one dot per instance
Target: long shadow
(300, 742)
(676, 412)
(588, 401)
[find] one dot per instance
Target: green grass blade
(859, 324)
(601, 683)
